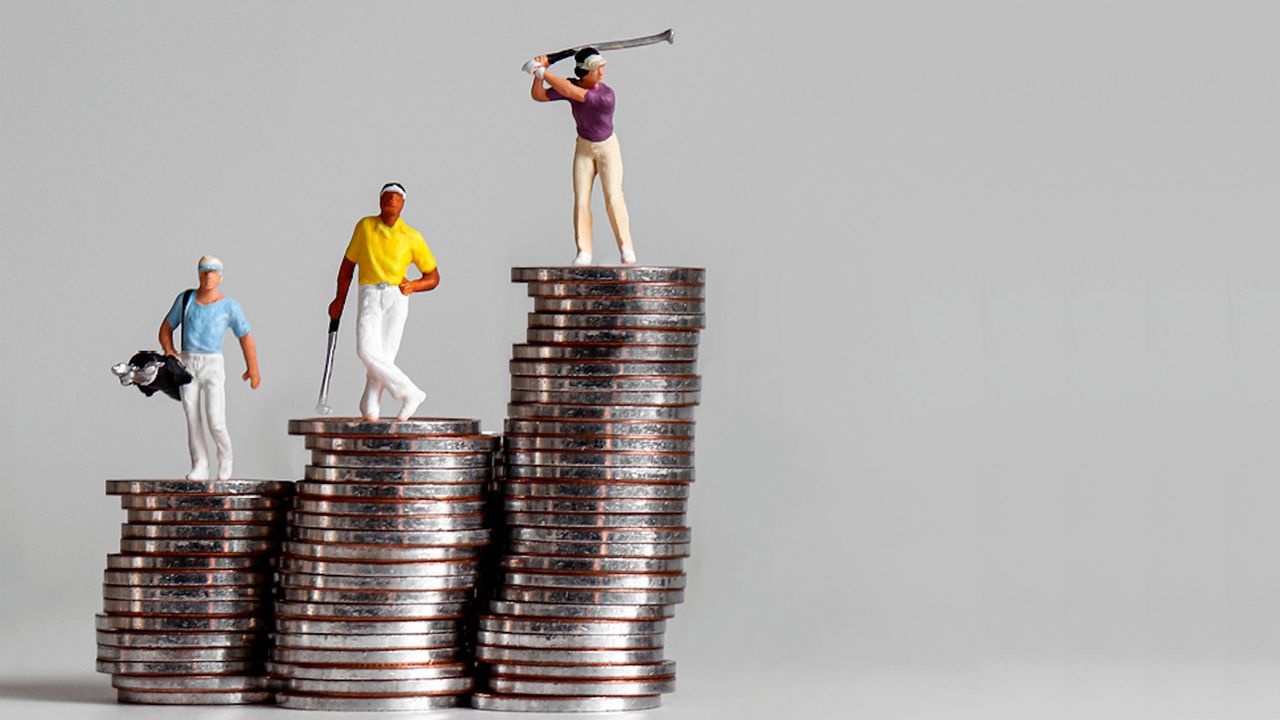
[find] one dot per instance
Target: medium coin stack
(186, 601)
(380, 564)
(598, 460)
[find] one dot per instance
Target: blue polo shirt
(206, 324)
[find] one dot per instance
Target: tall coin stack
(598, 458)
(186, 601)
(380, 564)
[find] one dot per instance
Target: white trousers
(603, 158)
(383, 310)
(204, 402)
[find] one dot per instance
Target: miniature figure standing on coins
(597, 151)
(204, 314)
(383, 246)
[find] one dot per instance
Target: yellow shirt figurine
(383, 253)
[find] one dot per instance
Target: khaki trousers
(605, 158)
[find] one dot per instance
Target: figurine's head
(210, 269)
(589, 67)
(391, 200)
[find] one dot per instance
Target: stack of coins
(187, 600)
(598, 460)
(380, 564)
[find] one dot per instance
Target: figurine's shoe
(224, 472)
(583, 258)
(628, 257)
(411, 405)
(199, 472)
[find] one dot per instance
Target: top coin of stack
(186, 600)
(598, 458)
(380, 564)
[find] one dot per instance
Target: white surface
(990, 369)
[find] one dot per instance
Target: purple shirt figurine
(594, 115)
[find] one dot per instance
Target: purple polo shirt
(594, 115)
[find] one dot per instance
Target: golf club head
(324, 409)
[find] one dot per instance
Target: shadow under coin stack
(186, 601)
(598, 460)
(380, 564)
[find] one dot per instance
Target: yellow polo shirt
(384, 253)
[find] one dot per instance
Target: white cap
(392, 187)
(209, 262)
(591, 62)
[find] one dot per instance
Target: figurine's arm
(564, 87)
(166, 338)
(539, 91)
(250, 360)
(345, 272)
(428, 281)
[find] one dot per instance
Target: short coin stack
(598, 458)
(186, 600)
(380, 564)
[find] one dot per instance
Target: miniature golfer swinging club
(205, 315)
(597, 150)
(383, 246)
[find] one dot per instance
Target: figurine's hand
(406, 287)
(253, 377)
(335, 309)
(172, 354)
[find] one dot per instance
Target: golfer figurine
(382, 246)
(596, 152)
(204, 314)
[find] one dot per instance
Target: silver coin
(556, 641)
(178, 623)
(216, 532)
(537, 486)
(425, 538)
(182, 607)
(378, 553)
(672, 398)
(183, 654)
(367, 627)
(358, 490)
(128, 592)
(621, 387)
(602, 289)
(381, 444)
(495, 624)
(371, 597)
(397, 523)
(599, 459)
(632, 305)
(595, 612)
(666, 668)
(621, 688)
(234, 517)
(489, 653)
(169, 578)
(386, 674)
(634, 428)
(551, 411)
(425, 611)
(396, 508)
(191, 683)
(624, 550)
(617, 321)
(552, 563)
(212, 697)
(199, 487)
(556, 505)
(533, 703)
(400, 460)
(560, 596)
(613, 581)
(603, 535)
(369, 642)
(386, 584)
(396, 476)
(561, 369)
(360, 426)
(306, 656)
(172, 546)
(595, 520)
(605, 336)
(365, 688)
(204, 503)
(607, 443)
(444, 570)
(340, 703)
(119, 638)
(121, 667)
(615, 353)
(629, 274)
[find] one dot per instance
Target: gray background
(990, 367)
